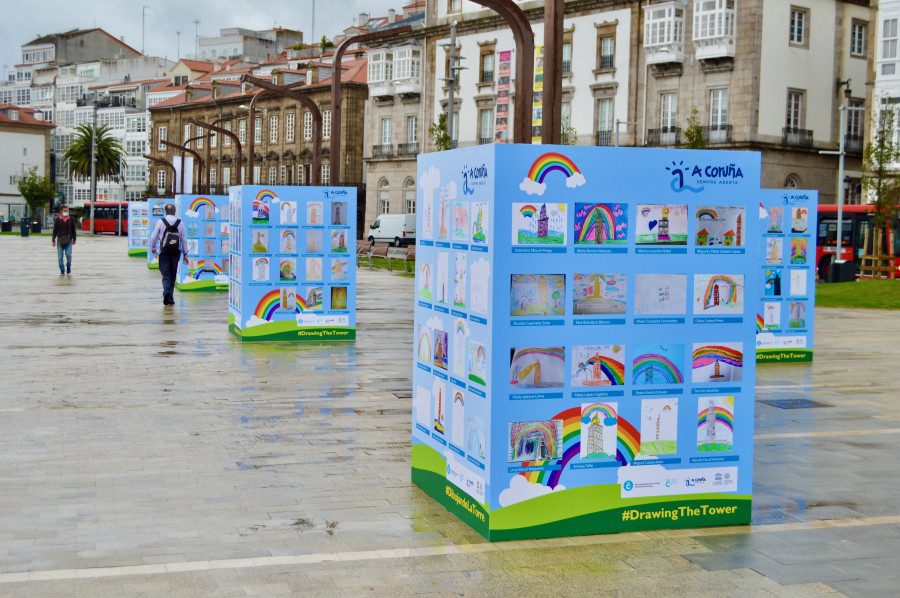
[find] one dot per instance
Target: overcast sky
(166, 17)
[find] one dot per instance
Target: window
(486, 125)
(718, 107)
(256, 171)
(136, 124)
(307, 125)
(794, 117)
(180, 80)
(301, 175)
(566, 113)
(13, 115)
(889, 40)
(242, 131)
(385, 131)
(161, 133)
(713, 18)
(212, 139)
(326, 174)
(273, 128)
(243, 175)
(454, 5)
(605, 114)
(135, 148)
(664, 25)
(407, 63)
(412, 129)
(283, 171)
(226, 139)
(134, 173)
(161, 181)
(607, 52)
(272, 175)
(454, 134)
(289, 127)
(212, 177)
(668, 110)
(380, 67)
(199, 141)
(326, 124)
(384, 201)
(409, 196)
(855, 119)
(257, 129)
(226, 177)
(858, 38)
(187, 134)
(487, 67)
(567, 58)
(798, 36)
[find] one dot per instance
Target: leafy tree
(693, 132)
(108, 152)
(569, 134)
(36, 190)
(439, 136)
(325, 43)
(879, 179)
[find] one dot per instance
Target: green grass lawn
(875, 294)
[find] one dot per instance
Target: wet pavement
(146, 452)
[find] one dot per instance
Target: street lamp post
(252, 109)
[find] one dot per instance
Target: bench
(410, 257)
(362, 251)
(396, 253)
(377, 250)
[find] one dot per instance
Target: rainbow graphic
(458, 398)
(550, 162)
(711, 353)
(480, 353)
(200, 202)
(424, 348)
(460, 328)
(600, 216)
(261, 204)
(720, 415)
(528, 211)
(707, 213)
(760, 323)
(520, 278)
(729, 296)
(651, 362)
(289, 234)
(195, 273)
(214, 267)
(612, 369)
(628, 442)
(270, 302)
(555, 352)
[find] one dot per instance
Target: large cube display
(157, 209)
(138, 228)
(205, 220)
(580, 341)
(787, 252)
(292, 269)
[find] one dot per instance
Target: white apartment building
(886, 63)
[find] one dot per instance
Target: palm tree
(108, 153)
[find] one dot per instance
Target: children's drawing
(338, 297)
(446, 195)
(287, 269)
(658, 364)
(715, 424)
(659, 224)
(773, 283)
(260, 269)
(535, 440)
(659, 427)
(773, 251)
(480, 226)
(772, 316)
(209, 229)
(537, 295)
(598, 365)
(314, 299)
(480, 272)
(288, 212)
(260, 241)
(288, 242)
(475, 439)
(314, 213)
(440, 348)
(775, 222)
(718, 294)
(460, 275)
(457, 418)
(539, 224)
(338, 269)
(425, 282)
(422, 404)
(339, 213)
(460, 348)
(798, 283)
(660, 294)
(193, 246)
(313, 268)
(461, 221)
(798, 315)
(721, 226)
(477, 363)
(798, 251)
(439, 407)
(799, 220)
(601, 223)
(260, 211)
(443, 286)
(209, 246)
(599, 424)
(314, 241)
(717, 362)
(423, 346)
(288, 299)
(537, 367)
(599, 293)
(339, 241)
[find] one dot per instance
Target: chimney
(277, 77)
(188, 93)
(216, 89)
(392, 15)
(363, 18)
(312, 74)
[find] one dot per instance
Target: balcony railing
(607, 61)
(604, 137)
(664, 136)
(717, 134)
(567, 67)
(853, 144)
(382, 151)
(487, 77)
(408, 149)
(485, 140)
(797, 137)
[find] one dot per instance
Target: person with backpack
(63, 239)
(172, 238)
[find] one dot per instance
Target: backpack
(170, 242)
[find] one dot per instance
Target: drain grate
(794, 403)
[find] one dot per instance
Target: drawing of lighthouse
(711, 421)
(739, 222)
(542, 223)
(595, 436)
(596, 378)
(663, 234)
(718, 373)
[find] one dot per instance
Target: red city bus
(857, 220)
(107, 212)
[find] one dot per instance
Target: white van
(396, 229)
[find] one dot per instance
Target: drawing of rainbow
(706, 213)
(543, 430)
(196, 272)
(480, 353)
(261, 203)
(262, 261)
(287, 270)
(556, 353)
(721, 415)
(271, 302)
(289, 234)
(614, 370)
(596, 277)
(628, 442)
(458, 397)
(460, 328)
(760, 323)
(599, 215)
(549, 162)
(525, 278)
(473, 446)
(528, 210)
(203, 201)
(729, 296)
(337, 266)
(424, 349)
(798, 250)
(602, 410)
(653, 362)
(712, 353)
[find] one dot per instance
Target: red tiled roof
(128, 84)
(197, 65)
(167, 86)
(26, 117)
(415, 4)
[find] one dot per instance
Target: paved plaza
(146, 452)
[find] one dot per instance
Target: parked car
(396, 229)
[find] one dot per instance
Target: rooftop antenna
(178, 47)
(313, 36)
(196, 39)
(143, 25)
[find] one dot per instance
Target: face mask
(65, 214)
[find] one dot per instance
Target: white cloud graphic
(254, 321)
(435, 323)
(532, 187)
(274, 200)
(191, 213)
(451, 190)
(576, 180)
(521, 489)
(430, 179)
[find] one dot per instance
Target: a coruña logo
(693, 178)
(473, 177)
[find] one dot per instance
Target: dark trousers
(168, 267)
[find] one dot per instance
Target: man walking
(172, 238)
(63, 239)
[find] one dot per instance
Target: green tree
(36, 190)
(693, 132)
(569, 134)
(108, 151)
(439, 136)
(325, 43)
(879, 179)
